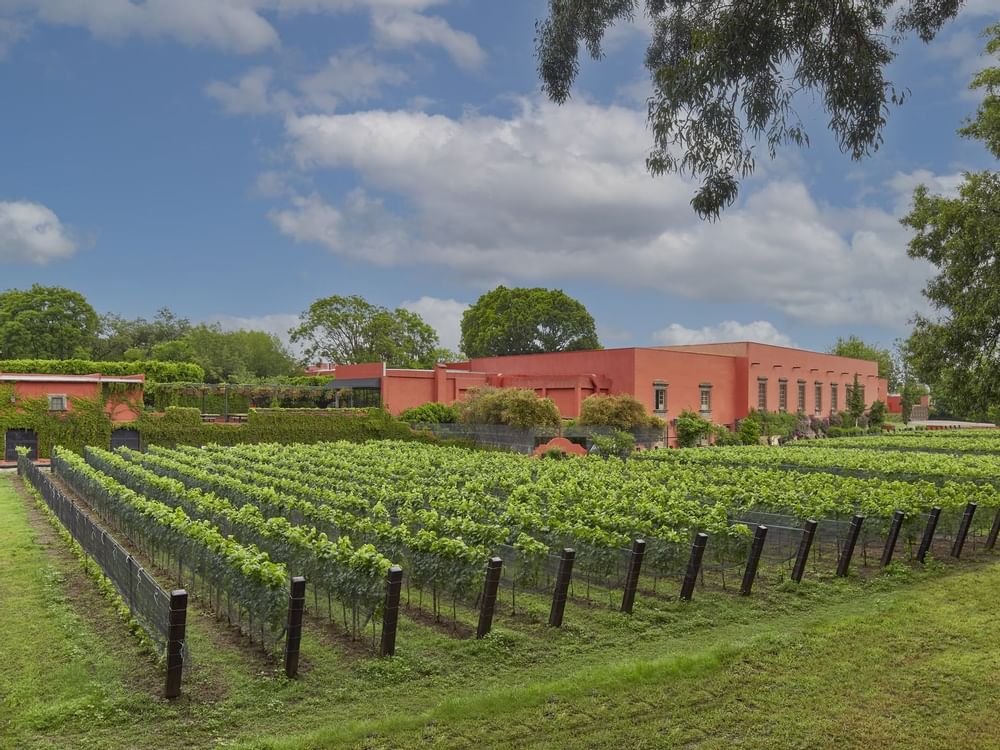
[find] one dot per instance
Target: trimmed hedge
(154, 370)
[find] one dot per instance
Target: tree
(855, 348)
(119, 335)
(727, 75)
(910, 397)
(351, 330)
(855, 400)
(46, 322)
(526, 321)
(957, 352)
(229, 356)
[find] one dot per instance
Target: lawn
(906, 659)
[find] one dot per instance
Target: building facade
(722, 382)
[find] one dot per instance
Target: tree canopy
(526, 321)
(46, 322)
(229, 356)
(855, 348)
(957, 351)
(351, 330)
(123, 338)
(727, 75)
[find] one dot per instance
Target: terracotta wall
(124, 409)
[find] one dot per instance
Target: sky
(234, 160)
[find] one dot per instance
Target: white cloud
(32, 233)
(239, 26)
(760, 331)
(904, 183)
(444, 315)
(251, 94)
(406, 29)
(10, 33)
(353, 75)
(552, 193)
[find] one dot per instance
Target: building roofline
(32, 377)
(770, 346)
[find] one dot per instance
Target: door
(128, 438)
(16, 438)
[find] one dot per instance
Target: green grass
(906, 659)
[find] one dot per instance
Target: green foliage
(132, 340)
(431, 413)
(723, 436)
(239, 398)
(728, 75)
(691, 429)
(956, 351)
(229, 356)
(351, 330)
(622, 411)
(517, 407)
(86, 423)
(877, 414)
(154, 370)
(855, 401)
(855, 348)
(774, 423)
(526, 321)
(46, 322)
(619, 444)
(910, 397)
(748, 430)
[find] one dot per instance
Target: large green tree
(352, 330)
(134, 338)
(957, 350)
(855, 348)
(229, 356)
(525, 321)
(46, 322)
(728, 75)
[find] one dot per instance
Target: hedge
(154, 370)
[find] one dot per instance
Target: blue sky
(236, 159)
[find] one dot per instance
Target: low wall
(525, 440)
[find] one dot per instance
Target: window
(802, 396)
(761, 394)
(833, 397)
(782, 395)
(819, 399)
(706, 399)
(659, 397)
(57, 402)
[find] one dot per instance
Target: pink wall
(124, 408)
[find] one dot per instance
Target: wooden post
(694, 565)
(561, 591)
(890, 541)
(176, 624)
(632, 577)
(808, 534)
(852, 540)
(293, 633)
(753, 560)
(928, 538)
(493, 569)
(963, 530)
(390, 617)
(991, 540)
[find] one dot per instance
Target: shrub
(623, 412)
(619, 443)
(691, 429)
(155, 371)
(431, 413)
(517, 407)
(876, 415)
(724, 436)
(749, 430)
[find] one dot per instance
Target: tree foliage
(351, 330)
(622, 411)
(124, 338)
(229, 356)
(46, 322)
(957, 351)
(727, 75)
(517, 407)
(855, 348)
(526, 321)
(855, 400)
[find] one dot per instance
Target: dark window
(833, 396)
(782, 395)
(659, 397)
(802, 396)
(819, 399)
(706, 398)
(761, 394)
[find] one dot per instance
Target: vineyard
(445, 548)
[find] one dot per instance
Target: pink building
(721, 381)
(60, 390)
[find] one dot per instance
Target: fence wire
(148, 603)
